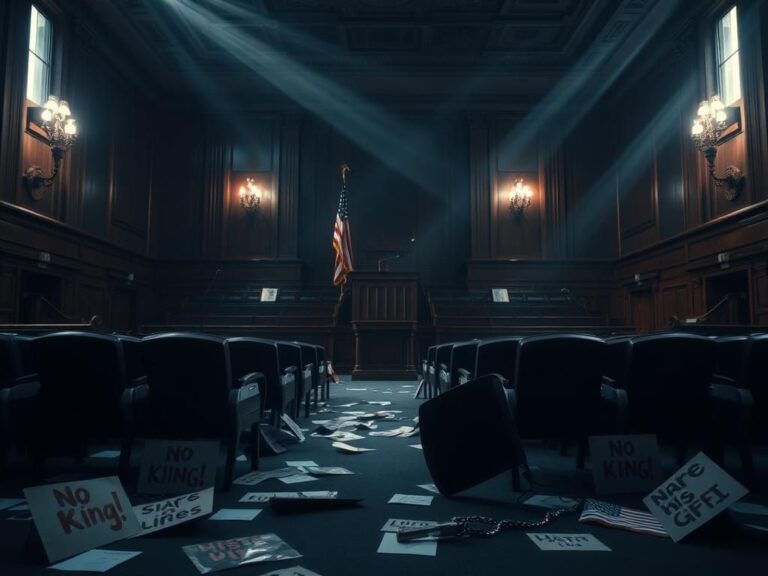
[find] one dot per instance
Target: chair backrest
(668, 379)
(248, 355)
(557, 385)
(189, 377)
(756, 378)
(468, 434)
(132, 352)
(497, 356)
(463, 355)
(10, 360)
(616, 359)
(731, 355)
(443, 354)
(82, 376)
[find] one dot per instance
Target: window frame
(51, 56)
(718, 65)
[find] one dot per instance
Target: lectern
(384, 318)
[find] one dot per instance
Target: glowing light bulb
(720, 116)
(70, 128)
(46, 115)
(697, 128)
(64, 109)
(704, 109)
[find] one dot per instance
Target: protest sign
(223, 554)
(625, 464)
(570, 542)
(692, 496)
(177, 467)
(72, 517)
(172, 511)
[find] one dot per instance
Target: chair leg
(230, 465)
(306, 404)
(255, 443)
(581, 453)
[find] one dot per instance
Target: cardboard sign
(625, 464)
(73, 517)
(692, 496)
(395, 524)
(569, 542)
(268, 295)
(177, 467)
(500, 294)
(165, 513)
(225, 554)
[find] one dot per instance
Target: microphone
(382, 260)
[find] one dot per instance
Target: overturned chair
(189, 396)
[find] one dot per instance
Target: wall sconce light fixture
(250, 197)
(61, 130)
(519, 197)
(711, 119)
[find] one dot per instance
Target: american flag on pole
(614, 516)
(342, 241)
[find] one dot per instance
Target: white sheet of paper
(235, 514)
(692, 496)
(20, 508)
(297, 479)
(339, 436)
(356, 389)
(417, 446)
(10, 502)
(349, 449)
(430, 488)
(394, 524)
(292, 571)
(413, 499)
(95, 561)
(390, 545)
(266, 496)
(742, 508)
(256, 477)
(106, 454)
(549, 502)
(242, 458)
(304, 463)
(568, 542)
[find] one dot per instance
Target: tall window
(728, 70)
(39, 64)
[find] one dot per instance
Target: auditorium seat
(309, 373)
(189, 396)
(322, 374)
(430, 372)
(462, 355)
(442, 360)
(82, 377)
(18, 388)
(497, 356)
(290, 362)
(756, 378)
(667, 379)
(556, 391)
(277, 388)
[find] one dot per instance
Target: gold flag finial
(344, 171)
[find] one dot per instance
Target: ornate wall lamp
(61, 130)
(711, 119)
(250, 197)
(519, 197)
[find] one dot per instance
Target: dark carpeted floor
(344, 542)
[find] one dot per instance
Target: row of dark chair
(685, 388)
(60, 391)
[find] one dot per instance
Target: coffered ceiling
(400, 46)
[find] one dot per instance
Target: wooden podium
(384, 319)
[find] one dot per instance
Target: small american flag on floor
(614, 516)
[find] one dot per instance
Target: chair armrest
(130, 400)
(722, 379)
(139, 381)
(731, 394)
(25, 379)
(618, 398)
(464, 376)
(731, 402)
(609, 381)
(249, 378)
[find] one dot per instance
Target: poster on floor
(73, 517)
(177, 467)
(625, 464)
(155, 516)
(692, 496)
(224, 554)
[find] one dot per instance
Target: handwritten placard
(692, 496)
(73, 517)
(500, 294)
(172, 511)
(177, 467)
(625, 464)
(568, 542)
